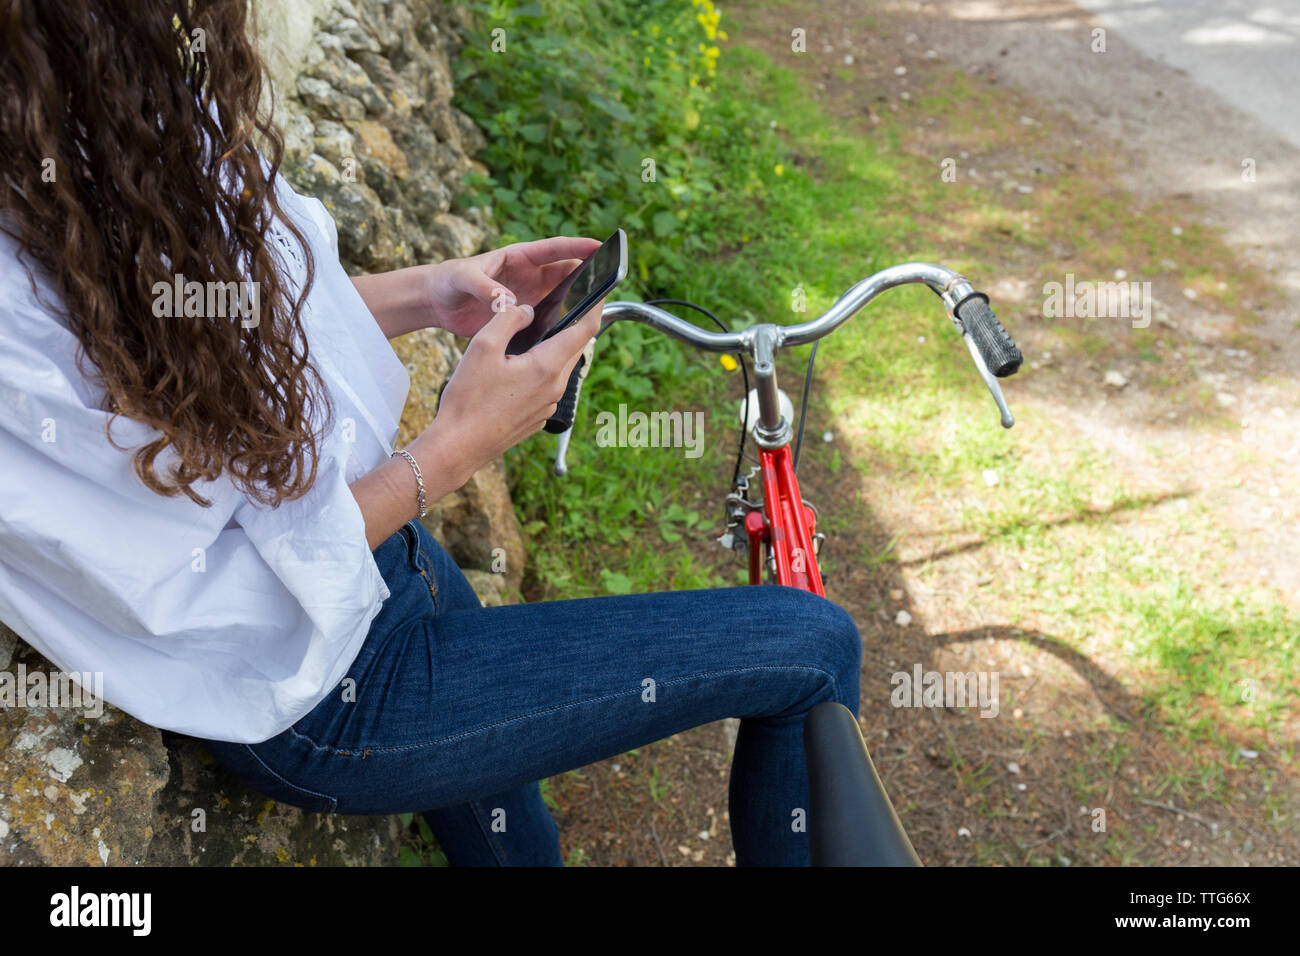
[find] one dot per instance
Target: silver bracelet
(419, 478)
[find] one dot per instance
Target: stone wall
(363, 90)
(371, 132)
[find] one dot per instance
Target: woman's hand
(466, 293)
(493, 400)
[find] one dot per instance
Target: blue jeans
(456, 711)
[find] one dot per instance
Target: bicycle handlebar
(991, 347)
(947, 284)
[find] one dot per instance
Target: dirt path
(1242, 50)
(1179, 142)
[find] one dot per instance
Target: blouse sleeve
(229, 622)
(321, 217)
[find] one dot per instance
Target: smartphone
(576, 294)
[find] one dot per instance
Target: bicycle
(850, 818)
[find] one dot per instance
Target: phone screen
(575, 295)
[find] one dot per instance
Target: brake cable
(803, 405)
(744, 372)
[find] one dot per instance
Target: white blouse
(229, 622)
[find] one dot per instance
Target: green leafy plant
(421, 847)
(601, 115)
(594, 113)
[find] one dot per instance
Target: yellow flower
(779, 169)
(744, 238)
(694, 81)
(647, 61)
(728, 362)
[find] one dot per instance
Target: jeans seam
(333, 803)
(427, 568)
(420, 563)
(371, 750)
(483, 819)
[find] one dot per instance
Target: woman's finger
(553, 273)
(542, 251)
(562, 350)
(501, 328)
(492, 292)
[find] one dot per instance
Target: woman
(200, 498)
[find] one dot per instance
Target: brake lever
(994, 388)
(581, 372)
(561, 449)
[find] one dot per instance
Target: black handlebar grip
(995, 345)
(567, 409)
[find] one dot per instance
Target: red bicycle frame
(786, 527)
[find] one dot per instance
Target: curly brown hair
(127, 128)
